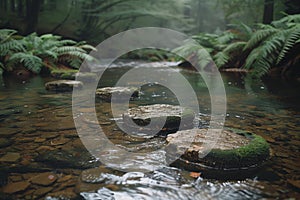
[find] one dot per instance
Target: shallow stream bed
(41, 155)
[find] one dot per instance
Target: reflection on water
(37, 135)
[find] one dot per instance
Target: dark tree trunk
(20, 8)
(268, 11)
(5, 5)
(12, 5)
(32, 13)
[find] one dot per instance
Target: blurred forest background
(95, 20)
(259, 36)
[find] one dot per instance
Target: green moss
(254, 153)
(64, 74)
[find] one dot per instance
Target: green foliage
(269, 46)
(35, 52)
(8, 43)
(102, 18)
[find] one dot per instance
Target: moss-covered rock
(176, 116)
(64, 74)
(235, 151)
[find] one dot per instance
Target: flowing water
(42, 157)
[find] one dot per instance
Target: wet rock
(62, 195)
(268, 138)
(64, 178)
(66, 125)
(15, 178)
(16, 187)
(42, 191)
(63, 85)
(39, 140)
(73, 158)
(44, 179)
(10, 157)
(143, 115)
(59, 141)
(235, 150)
(8, 132)
(295, 183)
(5, 142)
(121, 93)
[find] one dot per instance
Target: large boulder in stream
(121, 93)
(236, 153)
(177, 117)
(63, 85)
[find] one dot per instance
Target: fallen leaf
(195, 174)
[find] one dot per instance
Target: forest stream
(42, 157)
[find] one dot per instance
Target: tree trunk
(20, 8)
(12, 5)
(32, 13)
(268, 11)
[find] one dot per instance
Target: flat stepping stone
(63, 85)
(176, 117)
(236, 151)
(121, 93)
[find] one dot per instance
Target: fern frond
(235, 47)
(87, 47)
(260, 36)
(31, 62)
(221, 59)
(78, 54)
(66, 49)
(10, 46)
(226, 38)
(293, 37)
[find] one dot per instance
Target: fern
(221, 59)
(259, 36)
(30, 61)
(293, 37)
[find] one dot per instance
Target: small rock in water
(61, 195)
(63, 85)
(16, 187)
(176, 117)
(73, 158)
(42, 191)
(121, 93)
(10, 157)
(8, 132)
(295, 183)
(44, 179)
(5, 142)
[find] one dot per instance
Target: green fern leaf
(259, 36)
(293, 37)
(31, 62)
(221, 59)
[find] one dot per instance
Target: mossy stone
(64, 74)
(250, 153)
